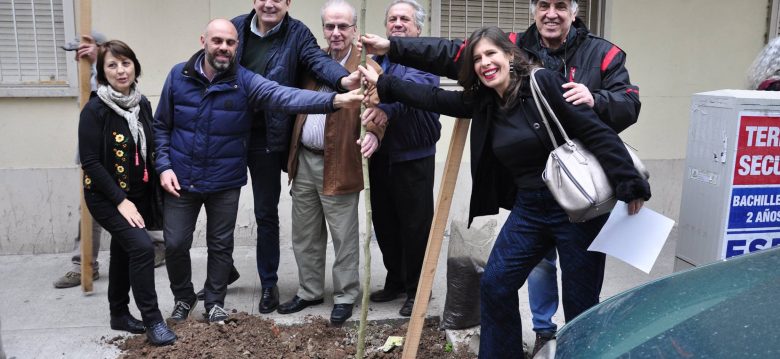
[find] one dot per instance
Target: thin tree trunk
(361, 344)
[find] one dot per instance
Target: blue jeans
(543, 294)
(535, 226)
(180, 216)
(265, 169)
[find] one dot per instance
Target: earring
(511, 68)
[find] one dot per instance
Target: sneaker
(159, 255)
(73, 279)
(217, 315)
(182, 310)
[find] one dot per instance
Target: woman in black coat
(509, 149)
(120, 187)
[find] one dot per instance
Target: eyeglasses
(341, 27)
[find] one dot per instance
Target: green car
(728, 309)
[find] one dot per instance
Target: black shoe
(340, 313)
(541, 340)
(127, 323)
(406, 309)
(234, 275)
(296, 304)
(269, 300)
(385, 295)
(182, 310)
(159, 334)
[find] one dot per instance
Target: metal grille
(459, 18)
(30, 34)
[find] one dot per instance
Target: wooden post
(436, 236)
(85, 87)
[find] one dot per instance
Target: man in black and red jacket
(598, 78)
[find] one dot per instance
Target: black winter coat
(590, 60)
(103, 139)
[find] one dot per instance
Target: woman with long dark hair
(509, 149)
(121, 187)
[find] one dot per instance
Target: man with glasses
(280, 48)
(325, 169)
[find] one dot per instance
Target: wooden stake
(85, 87)
(361, 344)
(436, 236)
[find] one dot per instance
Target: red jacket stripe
(460, 50)
(609, 57)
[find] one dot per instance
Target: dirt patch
(248, 336)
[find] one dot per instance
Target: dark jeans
(180, 217)
(132, 260)
(265, 169)
(402, 204)
(535, 226)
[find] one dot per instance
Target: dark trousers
(132, 260)
(180, 217)
(265, 169)
(535, 226)
(402, 204)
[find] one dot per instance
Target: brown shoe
(73, 279)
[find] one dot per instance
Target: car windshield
(723, 310)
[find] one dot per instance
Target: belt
(314, 150)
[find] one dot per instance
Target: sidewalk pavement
(39, 321)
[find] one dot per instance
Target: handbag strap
(540, 100)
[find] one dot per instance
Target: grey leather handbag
(572, 173)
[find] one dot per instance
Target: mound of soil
(248, 336)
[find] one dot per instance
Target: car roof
(721, 310)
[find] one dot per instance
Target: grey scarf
(128, 108)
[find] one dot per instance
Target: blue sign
(754, 207)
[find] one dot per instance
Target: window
(32, 64)
(457, 19)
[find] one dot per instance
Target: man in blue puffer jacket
(201, 133)
(282, 49)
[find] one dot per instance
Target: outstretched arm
(321, 66)
(267, 95)
(430, 54)
(422, 96)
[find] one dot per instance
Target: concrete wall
(674, 49)
(678, 48)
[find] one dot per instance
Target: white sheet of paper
(636, 240)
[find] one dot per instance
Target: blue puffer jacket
(293, 52)
(202, 128)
